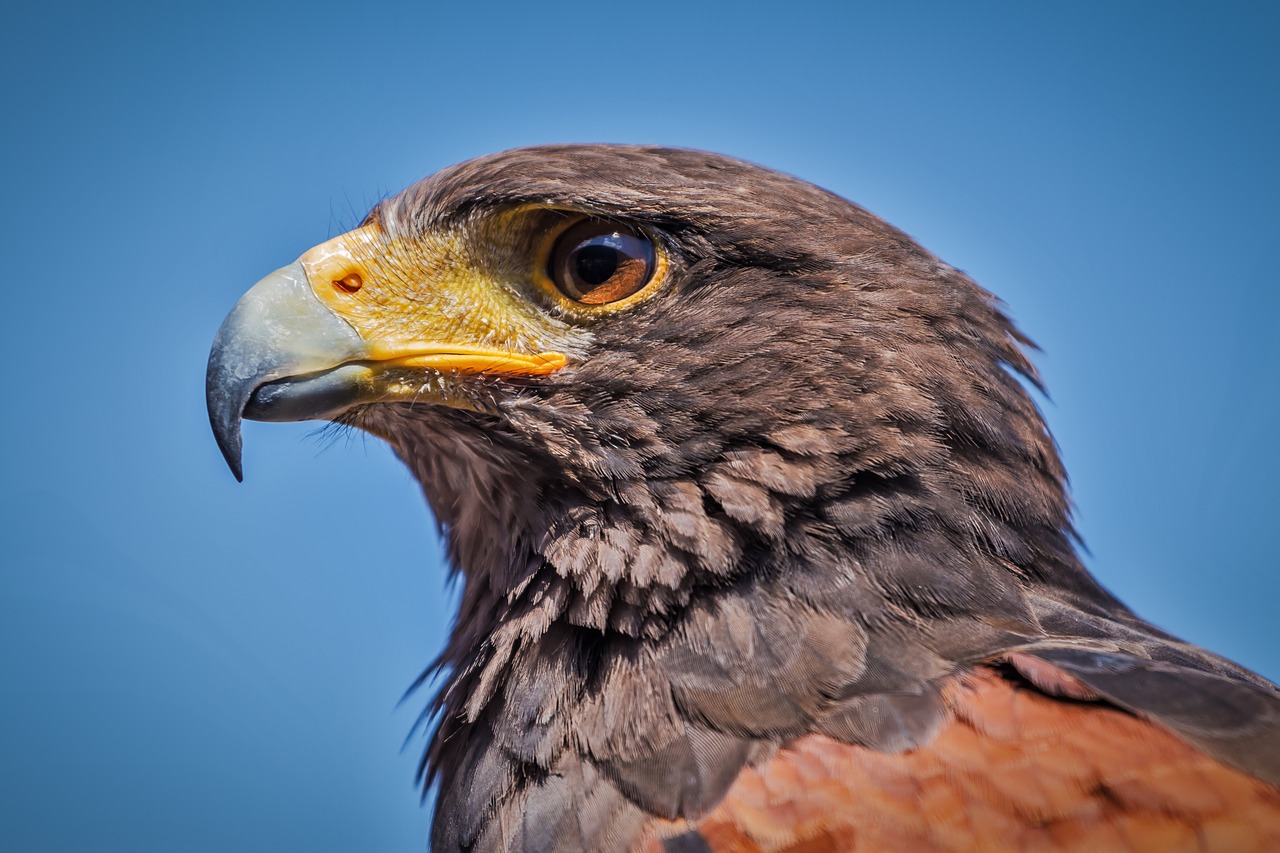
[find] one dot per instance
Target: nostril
(349, 283)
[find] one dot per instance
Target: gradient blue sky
(189, 664)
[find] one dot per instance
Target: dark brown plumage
(782, 558)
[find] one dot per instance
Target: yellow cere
(454, 300)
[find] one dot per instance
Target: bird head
(627, 373)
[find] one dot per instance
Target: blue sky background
(188, 664)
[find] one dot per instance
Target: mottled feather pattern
(797, 499)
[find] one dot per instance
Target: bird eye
(597, 262)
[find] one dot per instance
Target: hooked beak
(278, 330)
(299, 345)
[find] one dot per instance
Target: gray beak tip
(224, 418)
(231, 452)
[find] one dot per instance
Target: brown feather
(1010, 769)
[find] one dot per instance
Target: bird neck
(560, 563)
(541, 537)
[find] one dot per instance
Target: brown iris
(597, 262)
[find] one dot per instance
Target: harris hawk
(764, 545)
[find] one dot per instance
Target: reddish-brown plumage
(1011, 769)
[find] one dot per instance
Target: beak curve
(326, 334)
(279, 329)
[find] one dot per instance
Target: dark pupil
(596, 263)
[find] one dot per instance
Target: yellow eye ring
(599, 264)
